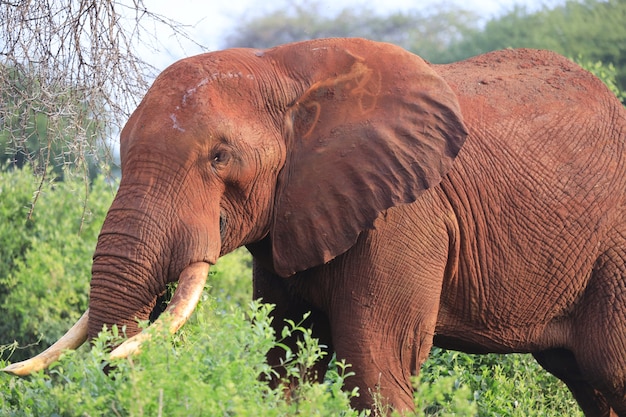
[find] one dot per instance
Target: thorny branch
(69, 76)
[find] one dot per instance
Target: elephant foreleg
(385, 300)
(383, 366)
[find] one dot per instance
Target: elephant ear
(376, 127)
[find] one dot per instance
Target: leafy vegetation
(46, 255)
(211, 368)
(605, 72)
(501, 385)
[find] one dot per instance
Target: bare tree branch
(70, 74)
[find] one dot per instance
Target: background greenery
(46, 255)
(212, 366)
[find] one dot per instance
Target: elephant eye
(220, 157)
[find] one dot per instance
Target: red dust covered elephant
(479, 206)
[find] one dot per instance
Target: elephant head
(305, 144)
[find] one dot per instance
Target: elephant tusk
(190, 286)
(73, 339)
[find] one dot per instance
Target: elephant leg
(383, 364)
(386, 294)
(273, 289)
(599, 335)
(562, 364)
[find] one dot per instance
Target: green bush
(606, 72)
(211, 368)
(46, 259)
(501, 385)
(232, 280)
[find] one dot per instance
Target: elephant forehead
(190, 78)
(195, 90)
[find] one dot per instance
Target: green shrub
(211, 368)
(46, 260)
(231, 280)
(16, 194)
(607, 73)
(502, 385)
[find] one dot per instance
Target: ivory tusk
(190, 286)
(73, 339)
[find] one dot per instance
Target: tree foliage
(430, 31)
(591, 29)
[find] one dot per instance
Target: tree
(587, 30)
(428, 33)
(36, 132)
(69, 76)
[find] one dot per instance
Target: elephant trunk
(128, 270)
(115, 299)
(183, 303)
(148, 240)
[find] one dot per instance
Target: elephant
(477, 206)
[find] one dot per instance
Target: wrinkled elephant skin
(479, 206)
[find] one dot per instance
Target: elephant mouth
(180, 308)
(161, 305)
